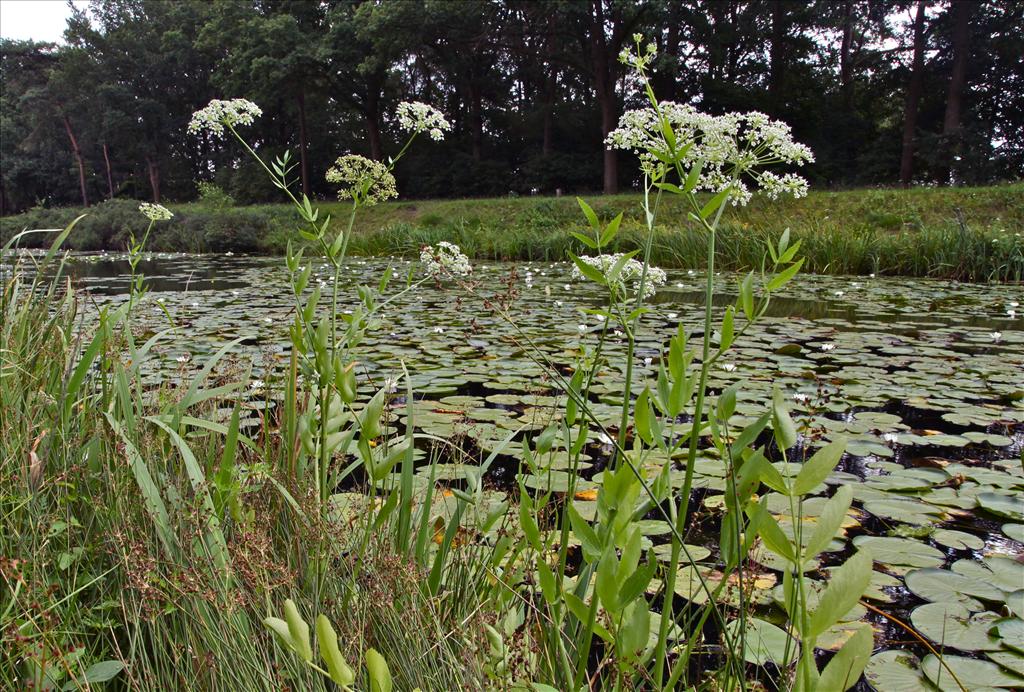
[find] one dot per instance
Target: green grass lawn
(966, 233)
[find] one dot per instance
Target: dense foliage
(531, 89)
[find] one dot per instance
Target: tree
(913, 96)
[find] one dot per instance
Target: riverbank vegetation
(971, 234)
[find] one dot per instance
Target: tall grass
(144, 538)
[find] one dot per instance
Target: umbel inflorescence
(217, 114)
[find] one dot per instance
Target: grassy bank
(964, 233)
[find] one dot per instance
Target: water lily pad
(1007, 506)
(951, 624)
(972, 673)
(944, 586)
(896, 671)
(1002, 572)
(958, 540)
(764, 642)
(1014, 531)
(900, 552)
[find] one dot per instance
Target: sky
(39, 20)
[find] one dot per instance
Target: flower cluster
(640, 58)
(630, 273)
(219, 113)
(155, 212)
(365, 181)
(414, 116)
(732, 149)
(445, 259)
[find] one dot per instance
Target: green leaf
(377, 670)
(589, 213)
(589, 242)
(845, 588)
(784, 277)
(693, 177)
(832, 516)
(771, 533)
(299, 631)
(327, 641)
(589, 271)
(728, 329)
(611, 230)
(845, 668)
(714, 203)
(816, 469)
(782, 424)
(96, 673)
(547, 581)
(643, 415)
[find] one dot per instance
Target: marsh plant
(237, 537)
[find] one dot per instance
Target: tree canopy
(922, 91)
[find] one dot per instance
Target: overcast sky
(39, 20)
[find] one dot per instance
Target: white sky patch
(38, 20)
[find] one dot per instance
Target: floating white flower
(891, 438)
(630, 272)
(218, 113)
(155, 212)
(828, 347)
(996, 336)
(802, 398)
(415, 116)
(581, 327)
(257, 385)
(672, 315)
(445, 259)
(439, 330)
(363, 179)
(183, 359)
(728, 367)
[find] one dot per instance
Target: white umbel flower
(155, 212)
(445, 259)
(415, 116)
(629, 274)
(219, 113)
(363, 179)
(732, 149)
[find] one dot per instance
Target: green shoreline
(970, 234)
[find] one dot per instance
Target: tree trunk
(957, 82)
(110, 177)
(776, 57)
(372, 115)
(153, 170)
(476, 121)
(845, 66)
(604, 86)
(303, 161)
(78, 158)
(913, 98)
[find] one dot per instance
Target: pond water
(924, 378)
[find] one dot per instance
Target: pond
(924, 378)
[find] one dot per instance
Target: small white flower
(996, 336)
(558, 303)
(603, 438)
(183, 359)
(630, 272)
(582, 328)
(802, 398)
(839, 293)
(1011, 312)
(891, 438)
(155, 212)
(219, 113)
(363, 180)
(828, 347)
(267, 320)
(1014, 304)
(439, 330)
(446, 259)
(195, 304)
(415, 116)
(728, 367)
(257, 385)
(672, 315)
(567, 287)
(229, 254)
(871, 276)
(648, 360)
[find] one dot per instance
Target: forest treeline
(909, 92)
